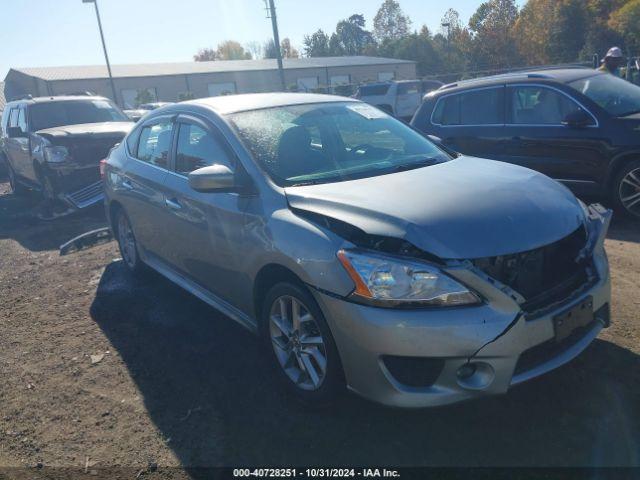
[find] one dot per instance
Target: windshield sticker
(367, 111)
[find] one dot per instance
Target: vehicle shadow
(19, 221)
(624, 229)
(207, 386)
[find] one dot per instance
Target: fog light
(475, 376)
(466, 371)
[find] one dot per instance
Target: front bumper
(492, 337)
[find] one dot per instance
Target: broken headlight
(390, 281)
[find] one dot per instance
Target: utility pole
(276, 40)
(104, 47)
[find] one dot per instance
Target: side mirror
(578, 119)
(213, 178)
(15, 132)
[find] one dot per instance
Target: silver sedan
(365, 256)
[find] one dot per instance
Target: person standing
(613, 61)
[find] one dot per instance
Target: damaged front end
(537, 310)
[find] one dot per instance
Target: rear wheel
(127, 243)
(301, 345)
(626, 189)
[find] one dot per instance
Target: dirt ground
(174, 383)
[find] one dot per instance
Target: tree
(418, 47)
(287, 50)
(205, 55)
(232, 50)
(335, 46)
(269, 49)
(626, 22)
(568, 31)
(352, 36)
(227, 50)
(492, 26)
(390, 23)
(316, 44)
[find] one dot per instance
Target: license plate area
(579, 315)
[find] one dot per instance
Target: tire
(626, 190)
(298, 354)
(127, 244)
(16, 187)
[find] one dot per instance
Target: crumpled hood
(463, 209)
(97, 130)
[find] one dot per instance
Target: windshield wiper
(427, 162)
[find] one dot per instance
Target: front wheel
(16, 187)
(301, 344)
(626, 190)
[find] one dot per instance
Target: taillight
(103, 167)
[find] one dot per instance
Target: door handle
(172, 204)
(126, 184)
(516, 138)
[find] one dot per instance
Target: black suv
(578, 126)
(55, 144)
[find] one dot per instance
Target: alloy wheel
(629, 191)
(298, 343)
(127, 242)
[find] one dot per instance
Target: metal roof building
(177, 81)
(2, 100)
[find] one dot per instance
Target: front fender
(307, 250)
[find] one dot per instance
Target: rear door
(142, 186)
(471, 122)
(536, 137)
(206, 229)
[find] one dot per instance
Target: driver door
(205, 229)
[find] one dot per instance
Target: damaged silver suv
(365, 256)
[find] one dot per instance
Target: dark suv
(54, 145)
(578, 126)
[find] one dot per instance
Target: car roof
(227, 104)
(558, 75)
(60, 98)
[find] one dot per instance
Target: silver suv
(364, 255)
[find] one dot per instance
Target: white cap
(614, 52)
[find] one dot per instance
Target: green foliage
(227, 50)
(316, 44)
(626, 22)
(390, 23)
(351, 38)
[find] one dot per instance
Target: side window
(199, 148)
(155, 143)
(533, 105)
(475, 107)
(408, 88)
(22, 121)
(13, 117)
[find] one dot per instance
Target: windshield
(330, 142)
(617, 96)
(74, 112)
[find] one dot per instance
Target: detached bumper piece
(87, 196)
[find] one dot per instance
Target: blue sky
(64, 32)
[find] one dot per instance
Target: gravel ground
(98, 370)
